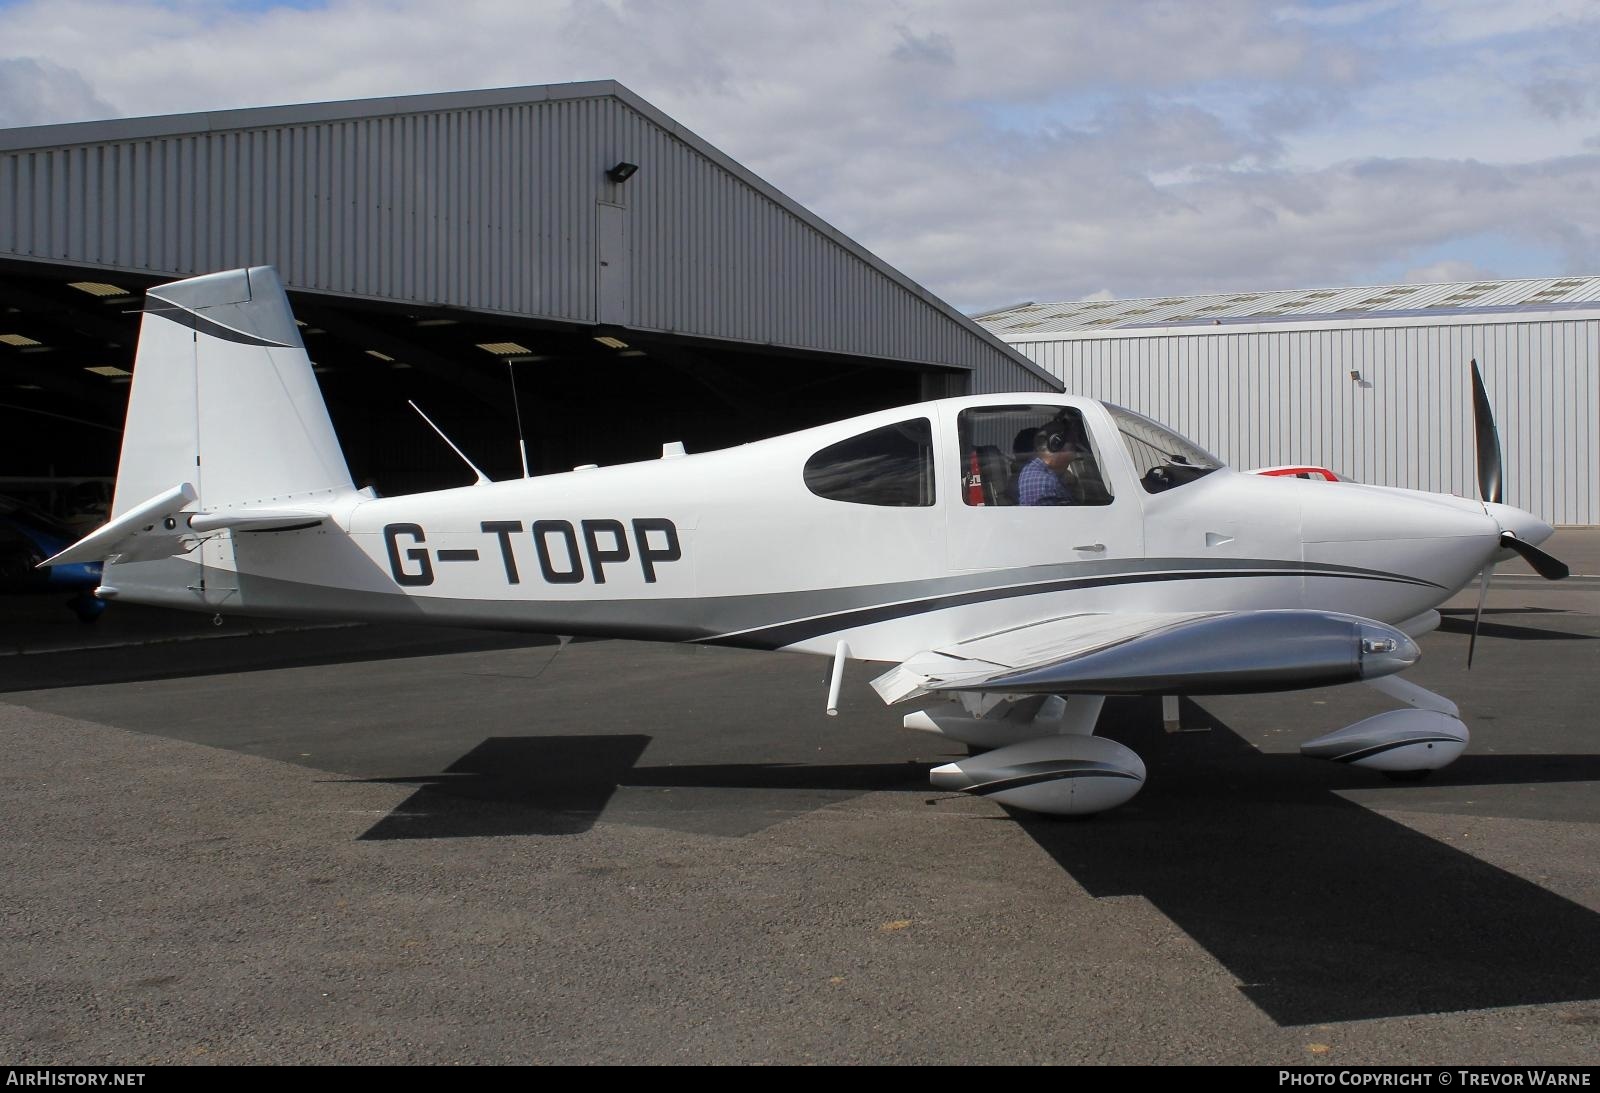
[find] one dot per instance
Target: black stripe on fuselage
(788, 633)
(184, 317)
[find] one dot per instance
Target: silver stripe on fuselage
(769, 620)
(788, 632)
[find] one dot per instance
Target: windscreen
(1163, 459)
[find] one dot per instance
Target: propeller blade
(1547, 566)
(1483, 594)
(1488, 441)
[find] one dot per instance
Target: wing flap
(969, 664)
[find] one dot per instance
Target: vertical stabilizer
(224, 398)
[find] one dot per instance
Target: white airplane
(1016, 558)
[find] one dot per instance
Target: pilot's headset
(1052, 438)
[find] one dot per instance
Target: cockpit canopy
(1010, 454)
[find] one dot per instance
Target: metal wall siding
(489, 208)
(1266, 398)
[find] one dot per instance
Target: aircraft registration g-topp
(1016, 558)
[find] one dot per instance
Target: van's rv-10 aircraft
(1016, 558)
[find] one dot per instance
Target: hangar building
(1372, 382)
(636, 284)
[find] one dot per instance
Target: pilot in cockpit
(1040, 482)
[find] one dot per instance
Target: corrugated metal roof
(494, 201)
(1490, 297)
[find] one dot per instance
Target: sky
(996, 152)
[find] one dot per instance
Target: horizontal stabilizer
(164, 526)
(147, 520)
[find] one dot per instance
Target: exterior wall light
(622, 171)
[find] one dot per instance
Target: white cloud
(1436, 273)
(995, 152)
(36, 92)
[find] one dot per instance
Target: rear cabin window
(891, 466)
(1028, 456)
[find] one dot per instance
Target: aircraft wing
(1168, 653)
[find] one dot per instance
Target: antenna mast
(483, 479)
(516, 408)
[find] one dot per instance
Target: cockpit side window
(1029, 456)
(891, 466)
(1165, 459)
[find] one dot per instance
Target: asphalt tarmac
(365, 844)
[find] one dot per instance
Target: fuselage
(886, 531)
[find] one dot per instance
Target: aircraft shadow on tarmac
(1321, 908)
(160, 660)
(559, 785)
(1458, 620)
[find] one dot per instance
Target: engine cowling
(1399, 742)
(1062, 775)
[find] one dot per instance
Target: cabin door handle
(1094, 548)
